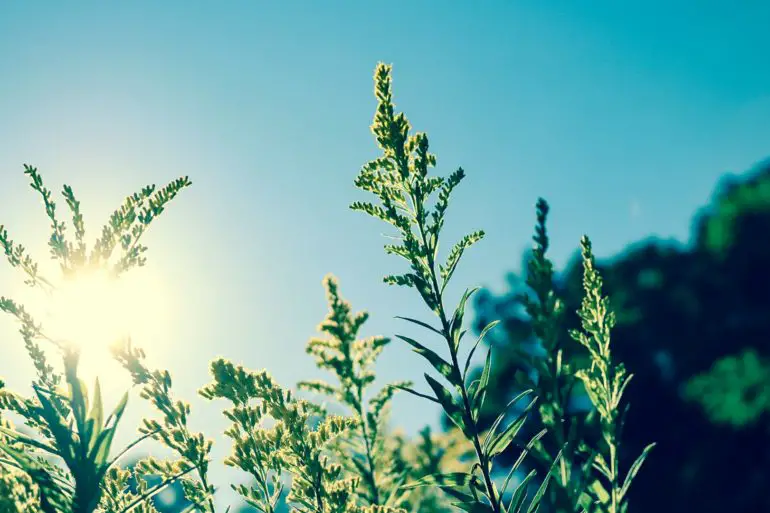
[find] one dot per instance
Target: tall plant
(584, 479)
(69, 458)
(400, 181)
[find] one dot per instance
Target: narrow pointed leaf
(62, 433)
(446, 400)
(520, 493)
(97, 409)
(520, 460)
(501, 441)
(456, 323)
(534, 504)
(481, 393)
(420, 323)
(415, 392)
(451, 480)
(473, 506)
(635, 469)
(503, 414)
(117, 413)
(20, 437)
(476, 344)
(438, 363)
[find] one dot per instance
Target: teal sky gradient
(622, 114)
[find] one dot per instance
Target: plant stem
(370, 477)
(446, 329)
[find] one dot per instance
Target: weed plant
(297, 453)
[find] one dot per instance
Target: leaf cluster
(400, 180)
(292, 444)
(69, 458)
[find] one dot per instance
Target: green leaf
(415, 392)
(476, 344)
(97, 410)
(600, 464)
(456, 253)
(62, 433)
(481, 393)
(100, 450)
(420, 323)
(79, 401)
(117, 413)
(520, 493)
(456, 323)
(15, 435)
(446, 400)
(473, 506)
(534, 504)
(473, 387)
(406, 280)
(504, 413)
(93, 424)
(635, 469)
(501, 442)
(520, 459)
(441, 365)
(426, 291)
(453, 480)
(372, 210)
(597, 494)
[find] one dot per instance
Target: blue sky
(622, 114)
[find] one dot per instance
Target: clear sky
(622, 114)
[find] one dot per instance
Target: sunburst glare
(92, 310)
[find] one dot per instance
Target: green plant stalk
(351, 360)
(482, 457)
(400, 179)
(483, 460)
(604, 381)
(370, 476)
(546, 318)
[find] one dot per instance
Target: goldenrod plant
(400, 181)
(554, 381)
(582, 480)
(351, 360)
(328, 446)
(293, 444)
(71, 459)
(604, 381)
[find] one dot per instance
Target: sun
(90, 310)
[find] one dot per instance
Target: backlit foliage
(400, 181)
(351, 360)
(297, 453)
(604, 382)
(69, 459)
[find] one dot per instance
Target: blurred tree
(694, 328)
